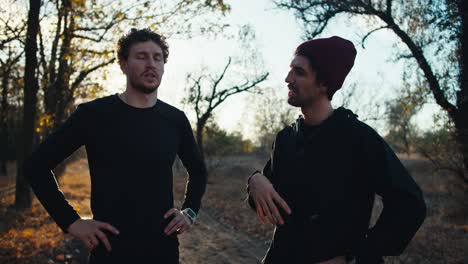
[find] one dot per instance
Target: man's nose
(289, 78)
(152, 63)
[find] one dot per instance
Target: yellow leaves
(52, 243)
(223, 6)
(28, 232)
(45, 120)
(25, 241)
(12, 233)
(34, 233)
(78, 3)
(20, 82)
(120, 15)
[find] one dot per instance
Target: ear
(123, 66)
(323, 88)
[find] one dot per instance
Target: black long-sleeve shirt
(328, 175)
(130, 153)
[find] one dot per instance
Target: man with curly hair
(131, 140)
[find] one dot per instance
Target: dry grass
(443, 238)
(32, 237)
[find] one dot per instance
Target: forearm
(192, 159)
(397, 224)
(196, 183)
(45, 187)
(194, 192)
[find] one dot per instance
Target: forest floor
(227, 231)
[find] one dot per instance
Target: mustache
(292, 87)
(151, 72)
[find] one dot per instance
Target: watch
(191, 215)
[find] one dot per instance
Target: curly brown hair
(140, 35)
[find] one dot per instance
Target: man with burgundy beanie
(318, 186)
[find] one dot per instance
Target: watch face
(191, 213)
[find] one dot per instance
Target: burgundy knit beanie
(332, 57)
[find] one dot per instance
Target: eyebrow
(145, 53)
(297, 68)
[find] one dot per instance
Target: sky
(277, 35)
(376, 73)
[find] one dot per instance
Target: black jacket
(329, 178)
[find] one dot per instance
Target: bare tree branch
(217, 81)
(204, 105)
(318, 13)
(369, 33)
(86, 72)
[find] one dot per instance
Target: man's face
(302, 83)
(144, 66)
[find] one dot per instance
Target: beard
(295, 100)
(298, 99)
(143, 88)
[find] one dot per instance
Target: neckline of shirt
(117, 97)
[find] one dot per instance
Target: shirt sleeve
(53, 150)
(197, 175)
(404, 207)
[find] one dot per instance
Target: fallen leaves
(32, 236)
(28, 232)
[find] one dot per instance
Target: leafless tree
(206, 93)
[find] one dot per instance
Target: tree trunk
(461, 117)
(62, 84)
(3, 122)
(462, 137)
(200, 127)
(31, 86)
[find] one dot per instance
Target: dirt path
(208, 241)
(211, 242)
